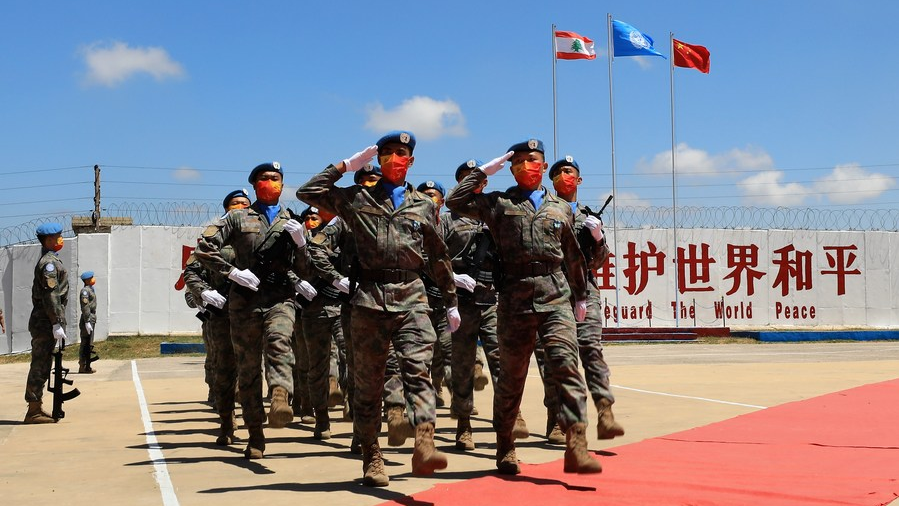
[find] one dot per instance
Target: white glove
(493, 166)
(464, 281)
(244, 277)
(297, 232)
(60, 334)
(359, 160)
(453, 320)
(580, 310)
(306, 289)
(88, 327)
(342, 284)
(594, 224)
(213, 297)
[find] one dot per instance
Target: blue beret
(468, 165)
(265, 167)
(48, 229)
(568, 161)
(433, 185)
(364, 171)
(236, 193)
(399, 136)
(309, 210)
(86, 275)
(528, 145)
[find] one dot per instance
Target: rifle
(476, 252)
(584, 238)
(273, 263)
(59, 379)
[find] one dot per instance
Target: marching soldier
(542, 268)
(86, 324)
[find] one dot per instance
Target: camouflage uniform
(49, 297)
(534, 295)
(88, 299)
(261, 321)
(390, 303)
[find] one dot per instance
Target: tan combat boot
(464, 441)
(256, 446)
(227, 425)
(506, 460)
(426, 458)
(606, 426)
(520, 430)
(373, 473)
(335, 396)
(322, 425)
(398, 427)
(280, 413)
(480, 379)
(577, 459)
(554, 434)
(37, 415)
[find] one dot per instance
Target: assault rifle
(584, 238)
(55, 384)
(273, 263)
(476, 252)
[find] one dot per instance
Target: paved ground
(101, 453)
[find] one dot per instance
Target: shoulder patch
(84, 293)
(210, 231)
(50, 267)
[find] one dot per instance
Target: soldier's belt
(388, 275)
(530, 269)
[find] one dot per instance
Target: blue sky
(177, 101)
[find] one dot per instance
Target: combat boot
(438, 392)
(506, 460)
(464, 441)
(335, 396)
(85, 369)
(577, 459)
(355, 446)
(347, 411)
(398, 427)
(227, 426)
(520, 430)
(606, 426)
(322, 425)
(373, 473)
(256, 446)
(280, 412)
(480, 379)
(37, 415)
(554, 434)
(426, 458)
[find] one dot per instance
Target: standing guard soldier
(47, 324)
(268, 242)
(541, 266)
(394, 226)
(88, 299)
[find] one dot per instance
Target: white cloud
(696, 162)
(850, 184)
(427, 118)
(766, 188)
(111, 64)
(625, 199)
(186, 174)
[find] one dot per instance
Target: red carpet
(840, 448)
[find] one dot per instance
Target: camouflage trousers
(258, 332)
(350, 388)
(413, 338)
(476, 321)
(394, 393)
(337, 367)
(209, 361)
(42, 344)
(516, 333)
(441, 365)
(86, 346)
(317, 332)
(225, 373)
(302, 397)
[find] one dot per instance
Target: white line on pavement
(689, 397)
(161, 471)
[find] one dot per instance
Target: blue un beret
(48, 229)
(399, 136)
(265, 167)
(236, 193)
(86, 275)
(306, 212)
(468, 165)
(433, 185)
(364, 171)
(528, 145)
(568, 161)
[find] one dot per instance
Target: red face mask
(528, 174)
(58, 245)
(268, 190)
(395, 167)
(565, 184)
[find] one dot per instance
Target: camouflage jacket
(50, 290)
(539, 240)
(391, 242)
(198, 278)
(461, 235)
(599, 251)
(88, 300)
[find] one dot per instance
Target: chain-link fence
(175, 214)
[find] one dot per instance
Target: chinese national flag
(692, 56)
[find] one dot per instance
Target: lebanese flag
(691, 56)
(571, 46)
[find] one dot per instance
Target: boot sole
(375, 482)
(504, 468)
(465, 447)
(427, 468)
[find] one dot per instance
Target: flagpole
(674, 188)
(614, 183)
(555, 124)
